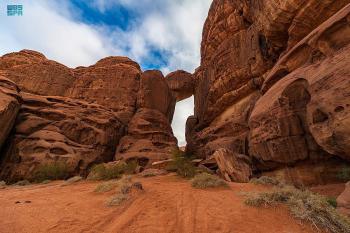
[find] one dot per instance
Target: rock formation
(32, 72)
(58, 129)
(112, 82)
(181, 83)
(79, 116)
(273, 84)
(149, 137)
(233, 167)
(271, 97)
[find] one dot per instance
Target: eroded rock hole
(339, 109)
(318, 116)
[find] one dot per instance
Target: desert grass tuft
(205, 180)
(153, 172)
(22, 183)
(304, 205)
(72, 180)
(124, 190)
(266, 180)
(2, 184)
(344, 174)
(112, 171)
(51, 171)
(182, 164)
(106, 187)
(45, 182)
(117, 199)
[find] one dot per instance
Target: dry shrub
(205, 180)
(2, 184)
(153, 172)
(117, 199)
(51, 171)
(72, 180)
(124, 190)
(22, 183)
(45, 182)
(266, 180)
(106, 187)
(304, 205)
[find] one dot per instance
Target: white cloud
(42, 28)
(171, 26)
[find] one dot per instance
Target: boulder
(59, 129)
(10, 102)
(343, 201)
(233, 167)
(181, 83)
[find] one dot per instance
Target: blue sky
(158, 34)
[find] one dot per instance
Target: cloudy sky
(158, 34)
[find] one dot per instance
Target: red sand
(169, 204)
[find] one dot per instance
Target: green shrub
(304, 205)
(344, 174)
(130, 167)
(182, 164)
(332, 201)
(205, 180)
(112, 171)
(103, 172)
(51, 171)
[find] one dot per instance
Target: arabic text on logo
(14, 10)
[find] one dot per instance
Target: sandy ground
(169, 204)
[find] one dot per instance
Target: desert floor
(168, 204)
